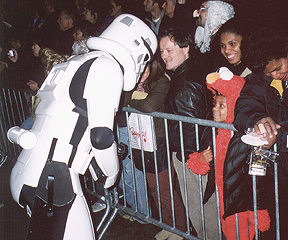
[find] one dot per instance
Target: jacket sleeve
(155, 99)
(250, 106)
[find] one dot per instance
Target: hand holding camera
(13, 55)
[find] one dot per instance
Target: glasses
(202, 9)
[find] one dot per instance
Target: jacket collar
(181, 68)
(260, 78)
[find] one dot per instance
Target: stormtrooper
(73, 130)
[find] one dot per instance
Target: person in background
(37, 21)
(226, 93)
(80, 4)
(118, 7)
(233, 37)
(50, 26)
(67, 21)
(262, 105)
(82, 32)
(98, 14)
(187, 96)
(149, 97)
(168, 21)
(156, 13)
(48, 58)
(20, 62)
(211, 15)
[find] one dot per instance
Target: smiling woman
(233, 38)
(230, 47)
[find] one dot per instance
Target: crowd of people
(192, 46)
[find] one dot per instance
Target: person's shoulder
(258, 78)
(166, 23)
(164, 78)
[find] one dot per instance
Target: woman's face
(230, 44)
(145, 75)
(36, 49)
(78, 35)
(220, 109)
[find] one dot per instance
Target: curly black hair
(264, 45)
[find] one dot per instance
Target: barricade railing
(130, 197)
(14, 110)
(158, 220)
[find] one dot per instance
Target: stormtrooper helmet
(131, 42)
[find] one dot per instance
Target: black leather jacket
(187, 96)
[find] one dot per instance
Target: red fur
(196, 166)
(231, 90)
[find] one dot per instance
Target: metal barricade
(14, 110)
(149, 217)
(13, 105)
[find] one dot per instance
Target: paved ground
(14, 221)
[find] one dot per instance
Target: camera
(11, 53)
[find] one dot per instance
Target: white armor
(74, 122)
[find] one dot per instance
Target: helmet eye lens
(146, 58)
(139, 58)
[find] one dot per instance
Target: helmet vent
(136, 43)
(127, 21)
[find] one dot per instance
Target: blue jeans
(128, 178)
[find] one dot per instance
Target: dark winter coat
(187, 96)
(257, 100)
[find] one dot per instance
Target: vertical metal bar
(216, 189)
(197, 137)
(200, 185)
(9, 121)
(17, 106)
(184, 170)
(143, 164)
(2, 124)
(132, 166)
(11, 107)
(131, 159)
(21, 103)
(201, 206)
(156, 169)
(170, 176)
(237, 226)
(255, 205)
(276, 201)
